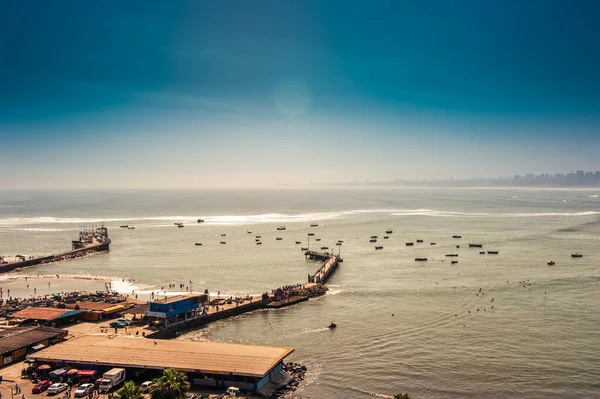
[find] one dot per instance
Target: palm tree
(129, 391)
(172, 385)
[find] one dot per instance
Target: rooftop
(175, 298)
(203, 357)
(20, 337)
(47, 314)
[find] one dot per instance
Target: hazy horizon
(206, 95)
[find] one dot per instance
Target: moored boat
(124, 226)
(454, 262)
(551, 263)
(419, 241)
(492, 252)
(278, 238)
(280, 228)
(372, 240)
(379, 247)
(421, 259)
(577, 255)
(314, 225)
(410, 244)
(198, 244)
(475, 245)
(200, 220)
(298, 242)
(456, 236)
(388, 232)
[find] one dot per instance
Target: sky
(200, 94)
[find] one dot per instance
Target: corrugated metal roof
(46, 314)
(20, 337)
(204, 357)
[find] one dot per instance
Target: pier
(330, 264)
(90, 241)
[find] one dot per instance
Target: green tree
(129, 391)
(401, 396)
(172, 385)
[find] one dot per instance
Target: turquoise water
(402, 325)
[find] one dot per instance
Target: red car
(41, 386)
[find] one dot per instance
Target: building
(47, 316)
(16, 342)
(176, 309)
(210, 364)
(94, 311)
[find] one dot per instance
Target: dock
(330, 264)
(90, 241)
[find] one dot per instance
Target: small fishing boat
(311, 234)
(259, 243)
(317, 239)
(124, 226)
(482, 253)
(180, 225)
(551, 263)
(450, 255)
(223, 242)
(340, 240)
(386, 237)
(280, 228)
(410, 244)
(475, 245)
(421, 259)
(458, 246)
(492, 252)
(373, 236)
(338, 243)
(379, 247)
(454, 262)
(198, 244)
(388, 232)
(324, 247)
(131, 228)
(419, 241)
(372, 240)
(332, 326)
(200, 220)
(249, 232)
(298, 242)
(577, 255)
(278, 238)
(303, 249)
(314, 225)
(432, 243)
(257, 239)
(456, 236)
(257, 236)
(223, 235)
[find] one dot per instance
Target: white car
(83, 390)
(124, 322)
(146, 386)
(57, 388)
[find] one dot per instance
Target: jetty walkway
(330, 264)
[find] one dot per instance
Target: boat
(324, 247)
(298, 242)
(492, 252)
(373, 236)
(317, 239)
(311, 234)
(124, 226)
(388, 232)
(340, 240)
(386, 237)
(303, 249)
(432, 243)
(280, 228)
(198, 243)
(314, 225)
(454, 262)
(379, 247)
(131, 228)
(180, 225)
(223, 242)
(577, 255)
(409, 244)
(200, 220)
(551, 263)
(248, 231)
(458, 246)
(257, 236)
(419, 241)
(421, 259)
(332, 326)
(456, 236)
(450, 255)
(257, 239)
(475, 245)
(338, 243)
(259, 243)
(278, 238)
(372, 240)
(223, 235)
(482, 253)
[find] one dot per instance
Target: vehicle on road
(41, 386)
(57, 388)
(111, 379)
(146, 386)
(84, 390)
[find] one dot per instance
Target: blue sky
(238, 93)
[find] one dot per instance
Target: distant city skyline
(202, 94)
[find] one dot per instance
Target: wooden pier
(330, 263)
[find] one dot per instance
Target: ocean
(491, 326)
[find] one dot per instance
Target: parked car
(41, 386)
(57, 388)
(116, 324)
(146, 386)
(124, 322)
(84, 390)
